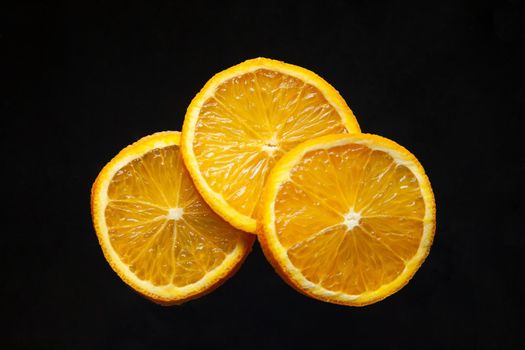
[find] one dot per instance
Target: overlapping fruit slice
(347, 218)
(155, 229)
(244, 119)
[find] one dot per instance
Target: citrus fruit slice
(154, 228)
(244, 119)
(347, 219)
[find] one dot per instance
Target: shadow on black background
(82, 80)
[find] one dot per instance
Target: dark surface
(81, 81)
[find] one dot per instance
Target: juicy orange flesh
(250, 122)
(160, 226)
(350, 218)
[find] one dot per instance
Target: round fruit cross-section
(244, 119)
(347, 219)
(154, 228)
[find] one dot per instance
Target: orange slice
(154, 228)
(244, 119)
(347, 219)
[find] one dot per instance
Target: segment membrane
(400, 234)
(398, 195)
(299, 215)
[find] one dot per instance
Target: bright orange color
(155, 229)
(347, 218)
(244, 119)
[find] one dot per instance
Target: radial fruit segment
(244, 120)
(348, 219)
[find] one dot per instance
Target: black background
(81, 80)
